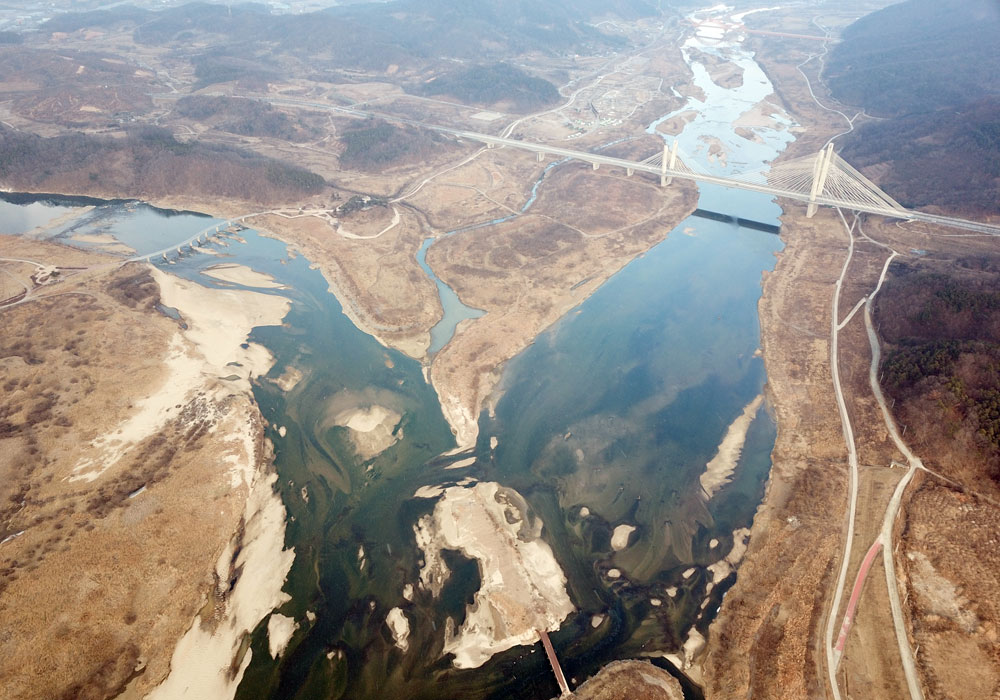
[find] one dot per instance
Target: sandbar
(720, 469)
(280, 629)
(241, 274)
(619, 539)
(523, 587)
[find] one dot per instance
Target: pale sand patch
(614, 573)
(399, 625)
(429, 492)
(434, 571)
(727, 565)
(940, 596)
(619, 539)
(279, 633)
(584, 512)
(365, 420)
(104, 242)
(596, 620)
(720, 469)
(241, 274)
(371, 428)
(675, 659)
(184, 376)
(462, 463)
(461, 418)
(694, 643)
(219, 321)
(408, 592)
(200, 666)
(289, 379)
(94, 238)
(523, 588)
(205, 251)
(761, 116)
(282, 431)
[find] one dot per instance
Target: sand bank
(399, 625)
(203, 659)
(462, 463)
(720, 469)
(219, 321)
(279, 632)
(183, 377)
(241, 274)
(289, 379)
(373, 427)
(619, 539)
(523, 588)
(763, 115)
(204, 662)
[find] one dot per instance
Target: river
(609, 418)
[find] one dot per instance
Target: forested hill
(930, 69)
(918, 56)
(491, 85)
(374, 35)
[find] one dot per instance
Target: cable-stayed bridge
(824, 179)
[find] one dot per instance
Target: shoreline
(251, 571)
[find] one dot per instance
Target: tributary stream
(609, 418)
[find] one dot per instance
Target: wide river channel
(609, 418)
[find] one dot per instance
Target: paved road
(852, 606)
(885, 536)
(635, 166)
(832, 658)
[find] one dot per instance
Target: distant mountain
(375, 35)
(500, 83)
(918, 56)
(931, 70)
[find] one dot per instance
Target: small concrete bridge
(198, 238)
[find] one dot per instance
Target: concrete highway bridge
(824, 179)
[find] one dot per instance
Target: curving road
(597, 160)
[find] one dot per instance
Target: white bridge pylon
(827, 178)
(820, 180)
(824, 178)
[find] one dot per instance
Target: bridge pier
(669, 163)
(820, 172)
(596, 165)
(541, 156)
(629, 172)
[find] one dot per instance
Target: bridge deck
(653, 169)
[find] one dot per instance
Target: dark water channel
(609, 417)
